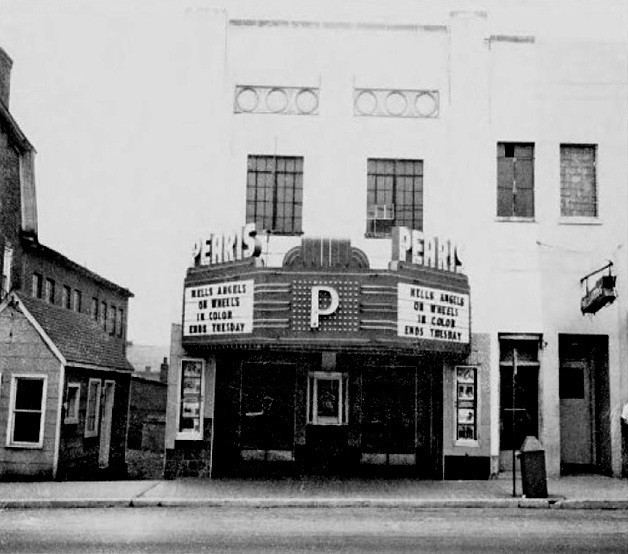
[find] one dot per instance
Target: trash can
(533, 475)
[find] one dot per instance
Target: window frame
(104, 312)
(70, 419)
(396, 206)
(121, 322)
(95, 308)
(253, 181)
(11, 416)
(90, 402)
(50, 291)
(37, 285)
(77, 300)
(515, 217)
(191, 434)
(475, 442)
(579, 219)
(342, 417)
(66, 297)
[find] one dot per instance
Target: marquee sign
(432, 314)
(221, 248)
(412, 246)
(218, 309)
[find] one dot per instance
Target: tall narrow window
(27, 411)
(274, 193)
(515, 179)
(103, 315)
(92, 413)
(66, 297)
(120, 322)
(394, 195)
(77, 301)
(50, 291)
(72, 402)
(94, 310)
(37, 290)
(191, 400)
(112, 320)
(7, 264)
(578, 184)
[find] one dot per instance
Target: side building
(64, 377)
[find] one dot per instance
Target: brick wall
(578, 191)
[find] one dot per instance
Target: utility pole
(514, 421)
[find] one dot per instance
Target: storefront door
(576, 429)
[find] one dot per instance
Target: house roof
(80, 339)
(8, 123)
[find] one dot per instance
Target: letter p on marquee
(316, 310)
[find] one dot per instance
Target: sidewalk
(577, 492)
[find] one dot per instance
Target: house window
(191, 400)
(27, 411)
(72, 399)
(7, 264)
(394, 195)
(65, 296)
(327, 398)
(120, 322)
(77, 300)
(112, 319)
(103, 315)
(274, 193)
(92, 414)
(466, 404)
(94, 310)
(578, 183)
(515, 180)
(37, 285)
(50, 291)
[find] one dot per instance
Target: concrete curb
(401, 503)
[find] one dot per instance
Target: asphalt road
(312, 530)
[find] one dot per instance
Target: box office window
(72, 400)
(515, 180)
(190, 420)
(274, 193)
(27, 411)
(328, 398)
(92, 414)
(394, 195)
(466, 391)
(578, 184)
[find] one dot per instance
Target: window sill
(467, 443)
(515, 219)
(579, 221)
(26, 445)
(189, 437)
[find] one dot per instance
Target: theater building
(472, 167)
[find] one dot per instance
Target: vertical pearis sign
(432, 314)
(218, 309)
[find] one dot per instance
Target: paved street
(307, 530)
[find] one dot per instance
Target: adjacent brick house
(64, 377)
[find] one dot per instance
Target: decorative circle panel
(276, 100)
(365, 103)
(246, 99)
(307, 101)
(395, 103)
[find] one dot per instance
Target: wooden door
(106, 423)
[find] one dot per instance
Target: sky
(111, 96)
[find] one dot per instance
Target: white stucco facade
(498, 72)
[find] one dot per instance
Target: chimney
(5, 77)
(163, 371)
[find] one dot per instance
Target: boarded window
(394, 195)
(578, 184)
(515, 179)
(274, 193)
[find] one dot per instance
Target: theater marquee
(432, 314)
(218, 309)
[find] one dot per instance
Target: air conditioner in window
(380, 219)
